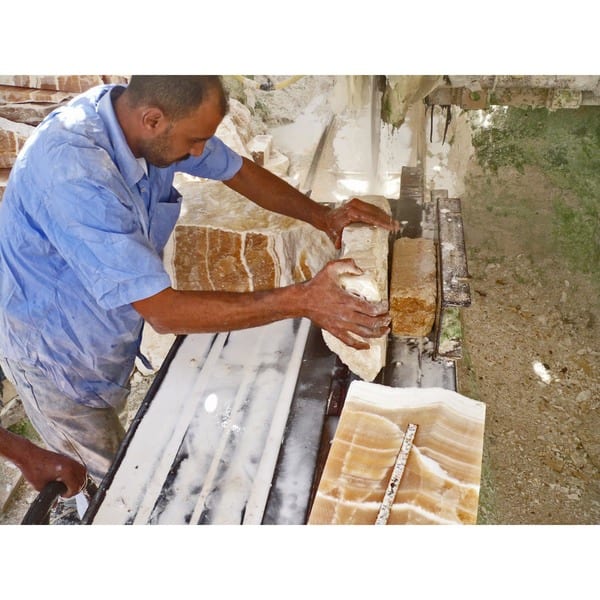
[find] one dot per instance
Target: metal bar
(396, 478)
(453, 286)
(452, 253)
(408, 208)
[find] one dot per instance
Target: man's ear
(154, 120)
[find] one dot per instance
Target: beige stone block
(27, 112)
(369, 247)
(260, 149)
(413, 287)
(278, 163)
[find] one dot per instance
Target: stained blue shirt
(82, 230)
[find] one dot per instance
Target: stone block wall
(25, 100)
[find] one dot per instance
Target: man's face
(185, 137)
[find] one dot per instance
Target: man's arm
(273, 193)
(321, 299)
(40, 466)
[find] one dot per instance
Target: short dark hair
(176, 95)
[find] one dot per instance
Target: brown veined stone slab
(224, 242)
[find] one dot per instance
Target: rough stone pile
(24, 102)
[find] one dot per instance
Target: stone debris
(10, 478)
(11, 413)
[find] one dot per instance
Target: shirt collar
(131, 169)
(143, 164)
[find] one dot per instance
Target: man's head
(166, 118)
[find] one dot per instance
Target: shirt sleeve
(218, 161)
(102, 235)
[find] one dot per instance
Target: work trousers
(89, 435)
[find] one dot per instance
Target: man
(84, 219)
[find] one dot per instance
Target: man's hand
(273, 193)
(356, 211)
(40, 466)
(331, 308)
(46, 466)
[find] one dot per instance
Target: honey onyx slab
(224, 242)
(441, 480)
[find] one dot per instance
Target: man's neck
(124, 114)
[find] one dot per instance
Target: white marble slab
(206, 449)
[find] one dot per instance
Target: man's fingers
(344, 266)
(365, 212)
(346, 315)
(358, 339)
(353, 341)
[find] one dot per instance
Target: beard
(156, 151)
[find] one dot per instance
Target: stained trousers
(87, 434)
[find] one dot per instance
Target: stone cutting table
(237, 426)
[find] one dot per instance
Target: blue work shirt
(82, 230)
